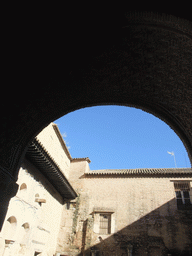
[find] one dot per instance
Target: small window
(105, 223)
(9, 228)
(182, 190)
(25, 233)
(23, 187)
(26, 226)
(36, 253)
(71, 205)
(39, 200)
(182, 186)
(12, 220)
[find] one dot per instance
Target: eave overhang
(41, 159)
(166, 172)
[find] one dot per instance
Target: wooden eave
(41, 159)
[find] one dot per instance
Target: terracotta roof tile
(151, 171)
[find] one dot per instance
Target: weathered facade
(128, 212)
(33, 217)
(88, 58)
(64, 208)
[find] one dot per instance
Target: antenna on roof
(172, 153)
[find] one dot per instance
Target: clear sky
(116, 137)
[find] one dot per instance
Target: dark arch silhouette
(139, 59)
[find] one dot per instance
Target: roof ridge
(139, 168)
(140, 171)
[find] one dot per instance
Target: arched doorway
(143, 60)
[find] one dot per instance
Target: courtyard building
(64, 208)
(33, 217)
(127, 212)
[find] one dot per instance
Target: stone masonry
(142, 204)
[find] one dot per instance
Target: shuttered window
(105, 223)
(182, 186)
(182, 190)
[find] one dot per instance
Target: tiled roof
(142, 172)
(38, 156)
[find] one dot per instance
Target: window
(71, 205)
(26, 226)
(105, 223)
(23, 187)
(24, 234)
(23, 192)
(182, 191)
(10, 227)
(39, 200)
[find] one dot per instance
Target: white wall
(43, 220)
(49, 139)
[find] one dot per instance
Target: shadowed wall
(85, 59)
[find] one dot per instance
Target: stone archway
(141, 60)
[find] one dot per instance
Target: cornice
(40, 158)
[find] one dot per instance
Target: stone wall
(143, 213)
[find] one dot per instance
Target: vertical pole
(174, 160)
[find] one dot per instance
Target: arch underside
(146, 63)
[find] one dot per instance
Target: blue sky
(116, 137)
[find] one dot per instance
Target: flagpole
(174, 160)
(173, 154)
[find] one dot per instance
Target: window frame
(184, 201)
(97, 222)
(102, 229)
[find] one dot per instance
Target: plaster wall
(43, 219)
(49, 139)
(143, 212)
(130, 198)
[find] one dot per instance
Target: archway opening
(9, 228)
(23, 187)
(127, 128)
(25, 233)
(26, 226)
(118, 137)
(89, 132)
